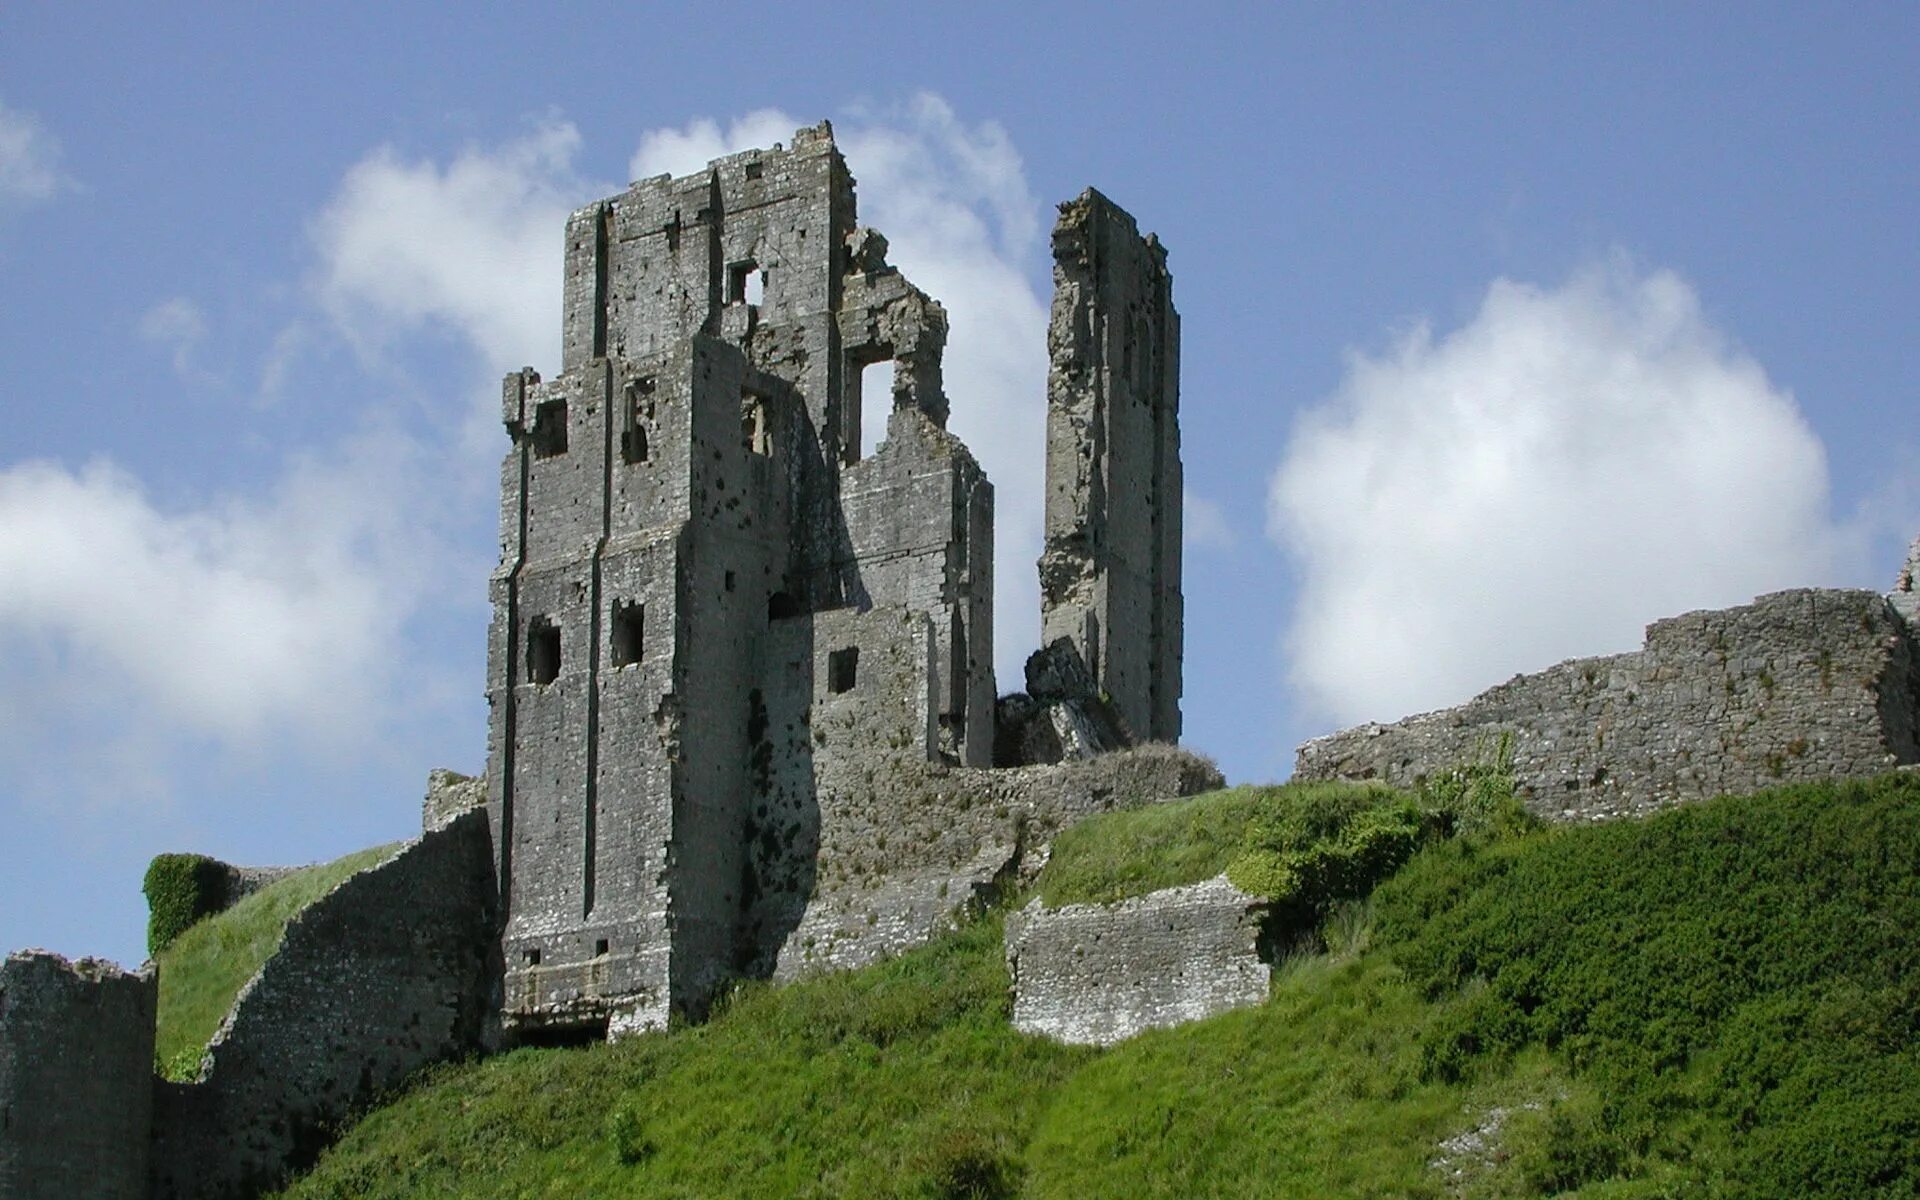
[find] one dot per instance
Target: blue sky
(1507, 329)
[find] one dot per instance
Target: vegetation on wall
(203, 969)
(181, 889)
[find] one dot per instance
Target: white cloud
(29, 160)
(176, 325)
(247, 622)
(961, 223)
(473, 248)
(1540, 483)
(1204, 524)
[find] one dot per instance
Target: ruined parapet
(1905, 596)
(450, 794)
(1095, 974)
(386, 973)
(1797, 686)
(1110, 572)
(76, 1078)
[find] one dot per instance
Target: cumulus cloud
(960, 221)
(472, 248)
(1539, 484)
(236, 621)
(29, 160)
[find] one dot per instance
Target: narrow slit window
(755, 424)
(550, 429)
(633, 436)
(543, 651)
(843, 667)
(629, 630)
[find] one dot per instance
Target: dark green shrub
(1332, 845)
(181, 889)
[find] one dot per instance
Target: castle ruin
(724, 640)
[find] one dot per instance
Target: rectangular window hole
(729, 581)
(876, 404)
(842, 667)
(755, 170)
(550, 428)
(629, 628)
(600, 948)
(533, 956)
(746, 283)
(543, 651)
(639, 414)
(756, 424)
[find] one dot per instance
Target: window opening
(633, 438)
(746, 283)
(533, 956)
(550, 428)
(876, 404)
(600, 948)
(780, 605)
(629, 628)
(843, 666)
(755, 424)
(729, 581)
(755, 170)
(543, 651)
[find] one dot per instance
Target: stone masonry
(1798, 685)
(724, 639)
(1095, 974)
(1110, 574)
(386, 973)
(76, 1070)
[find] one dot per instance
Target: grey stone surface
(76, 1065)
(388, 972)
(1094, 974)
(1110, 572)
(1799, 685)
(727, 646)
(1905, 596)
(449, 794)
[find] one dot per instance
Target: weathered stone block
(1096, 974)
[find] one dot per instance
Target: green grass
(1142, 850)
(1722, 1001)
(204, 968)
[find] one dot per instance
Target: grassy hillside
(204, 968)
(1721, 1001)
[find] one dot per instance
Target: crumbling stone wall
(386, 973)
(901, 844)
(1095, 974)
(1799, 685)
(1110, 573)
(76, 1071)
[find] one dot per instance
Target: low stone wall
(904, 844)
(1800, 685)
(386, 973)
(1094, 974)
(76, 1071)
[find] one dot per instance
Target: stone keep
(1110, 573)
(692, 543)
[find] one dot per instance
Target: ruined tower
(1110, 573)
(695, 555)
